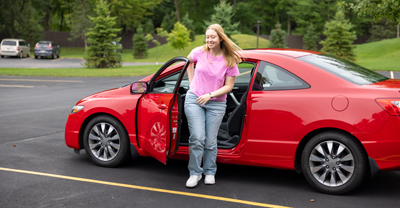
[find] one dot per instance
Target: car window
(166, 84)
(21, 43)
(43, 44)
(344, 69)
(9, 43)
(272, 77)
(245, 69)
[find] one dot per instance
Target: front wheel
(106, 141)
(334, 163)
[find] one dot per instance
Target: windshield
(10, 43)
(344, 69)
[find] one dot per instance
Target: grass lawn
(380, 56)
(125, 71)
(165, 52)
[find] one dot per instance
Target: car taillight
(392, 106)
(36, 46)
(50, 46)
(17, 48)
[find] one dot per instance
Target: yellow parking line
(58, 59)
(145, 188)
(16, 86)
(39, 80)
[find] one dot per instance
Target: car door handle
(162, 107)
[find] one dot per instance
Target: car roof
(294, 53)
(45, 41)
(10, 39)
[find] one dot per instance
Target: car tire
(29, 54)
(20, 55)
(334, 162)
(36, 57)
(53, 56)
(58, 55)
(106, 141)
(2, 56)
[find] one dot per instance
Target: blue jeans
(204, 123)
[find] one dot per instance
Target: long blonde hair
(232, 53)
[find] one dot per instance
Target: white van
(14, 47)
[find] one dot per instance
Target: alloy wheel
(331, 163)
(104, 141)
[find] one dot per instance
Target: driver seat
(230, 131)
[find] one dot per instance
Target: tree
(188, 23)
(383, 29)
(167, 23)
(139, 44)
(148, 26)
(179, 37)
(310, 39)
(278, 37)
(161, 33)
(102, 53)
(28, 27)
(78, 20)
(339, 38)
(131, 12)
(378, 9)
(223, 13)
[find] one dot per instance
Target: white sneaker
(210, 179)
(192, 181)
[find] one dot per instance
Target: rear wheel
(106, 141)
(36, 57)
(2, 56)
(334, 163)
(29, 54)
(20, 54)
(53, 56)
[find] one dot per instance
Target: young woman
(205, 102)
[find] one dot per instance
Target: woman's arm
(229, 82)
(190, 68)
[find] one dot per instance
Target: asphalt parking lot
(38, 170)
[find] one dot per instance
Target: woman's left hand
(202, 100)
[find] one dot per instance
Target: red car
(331, 119)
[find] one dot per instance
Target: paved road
(32, 119)
(31, 62)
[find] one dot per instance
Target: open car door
(158, 115)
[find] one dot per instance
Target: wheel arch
(310, 135)
(88, 119)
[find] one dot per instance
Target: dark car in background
(46, 49)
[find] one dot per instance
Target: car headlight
(77, 108)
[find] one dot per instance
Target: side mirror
(139, 87)
(29, 45)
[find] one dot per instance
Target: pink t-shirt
(210, 73)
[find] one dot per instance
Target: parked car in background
(14, 47)
(46, 49)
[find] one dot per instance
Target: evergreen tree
(167, 23)
(102, 53)
(148, 27)
(78, 20)
(188, 23)
(310, 39)
(384, 29)
(139, 44)
(179, 37)
(278, 37)
(339, 38)
(223, 14)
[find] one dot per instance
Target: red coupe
(331, 119)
